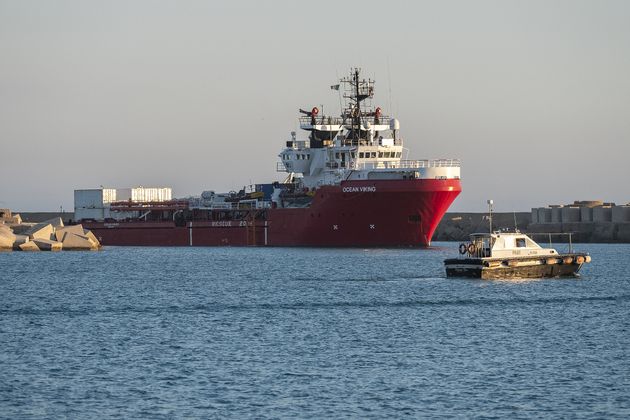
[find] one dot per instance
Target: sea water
(300, 332)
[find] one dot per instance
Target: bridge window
(520, 243)
(361, 155)
(373, 154)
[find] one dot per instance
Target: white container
(88, 199)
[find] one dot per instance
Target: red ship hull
(383, 213)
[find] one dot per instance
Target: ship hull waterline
(401, 213)
(476, 268)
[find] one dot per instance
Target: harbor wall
(602, 228)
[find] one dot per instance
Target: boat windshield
(483, 245)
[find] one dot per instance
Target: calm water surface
(246, 332)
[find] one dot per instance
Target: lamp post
(490, 204)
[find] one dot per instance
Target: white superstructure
(362, 144)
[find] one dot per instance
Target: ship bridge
(361, 144)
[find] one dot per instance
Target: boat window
(353, 155)
(337, 155)
(398, 154)
(520, 243)
(373, 154)
(360, 155)
(380, 154)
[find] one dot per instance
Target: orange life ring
(471, 248)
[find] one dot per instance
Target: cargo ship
(347, 183)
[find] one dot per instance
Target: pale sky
(533, 96)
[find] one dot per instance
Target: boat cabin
(504, 245)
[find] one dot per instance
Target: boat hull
(400, 213)
(496, 269)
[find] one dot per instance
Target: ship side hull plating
(371, 213)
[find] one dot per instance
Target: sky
(532, 96)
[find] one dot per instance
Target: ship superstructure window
(361, 155)
(520, 243)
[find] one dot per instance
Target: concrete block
(47, 244)
(72, 241)
(29, 246)
(40, 231)
(76, 229)
(19, 240)
(93, 238)
(22, 228)
(56, 222)
(7, 238)
(15, 219)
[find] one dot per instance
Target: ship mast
(358, 91)
(357, 117)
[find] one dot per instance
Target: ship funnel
(394, 124)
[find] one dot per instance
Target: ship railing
(409, 164)
(306, 121)
(324, 120)
(280, 167)
(234, 205)
(149, 205)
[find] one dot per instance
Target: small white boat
(512, 255)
